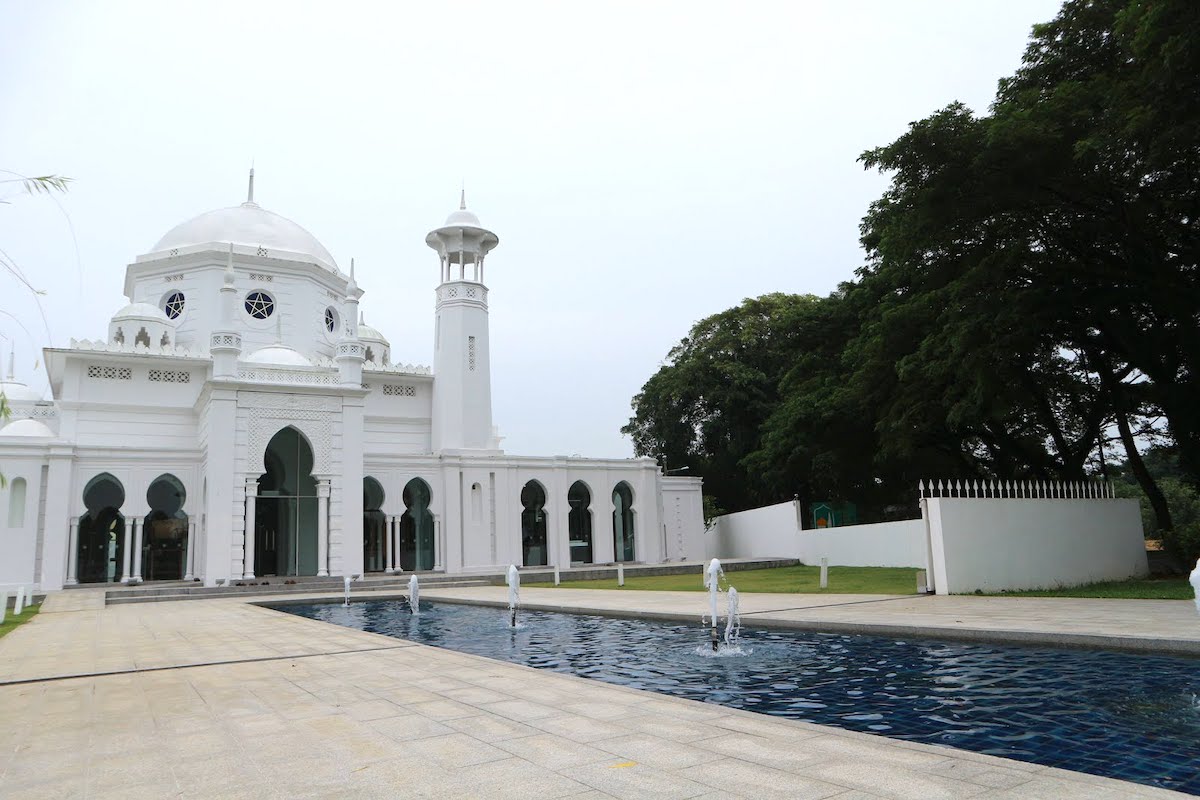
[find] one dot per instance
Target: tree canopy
(1030, 294)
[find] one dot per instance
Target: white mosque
(241, 421)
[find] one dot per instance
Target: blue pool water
(1119, 715)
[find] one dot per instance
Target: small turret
(225, 344)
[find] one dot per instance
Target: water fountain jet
(733, 618)
(711, 580)
(346, 579)
(414, 595)
(514, 592)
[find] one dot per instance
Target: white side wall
(883, 544)
(775, 532)
(994, 544)
(767, 532)
(683, 519)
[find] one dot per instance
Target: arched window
(374, 527)
(416, 527)
(579, 522)
(101, 545)
(16, 503)
(623, 522)
(533, 525)
(164, 534)
(174, 304)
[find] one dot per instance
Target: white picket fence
(1019, 490)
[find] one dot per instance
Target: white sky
(645, 164)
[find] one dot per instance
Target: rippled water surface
(1123, 716)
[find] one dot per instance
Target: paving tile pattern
(326, 712)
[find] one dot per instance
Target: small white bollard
(922, 585)
(3, 605)
(620, 574)
(557, 577)
(19, 603)
(824, 573)
(29, 596)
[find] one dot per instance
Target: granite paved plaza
(221, 698)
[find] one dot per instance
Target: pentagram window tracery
(331, 319)
(259, 305)
(174, 304)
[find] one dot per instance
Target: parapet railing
(1017, 490)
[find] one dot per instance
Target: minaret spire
(462, 200)
(250, 188)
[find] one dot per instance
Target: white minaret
(462, 375)
(225, 345)
(350, 351)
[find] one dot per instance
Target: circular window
(331, 319)
(173, 306)
(259, 305)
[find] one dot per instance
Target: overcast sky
(645, 164)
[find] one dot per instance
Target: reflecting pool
(1120, 715)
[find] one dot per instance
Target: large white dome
(248, 225)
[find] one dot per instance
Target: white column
(73, 551)
(389, 530)
(139, 536)
(248, 528)
(438, 562)
(128, 558)
(190, 558)
(323, 527)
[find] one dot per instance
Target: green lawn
(1137, 589)
(799, 579)
(11, 621)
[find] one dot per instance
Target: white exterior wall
(19, 502)
(775, 532)
(1011, 544)
(767, 532)
(882, 544)
(683, 519)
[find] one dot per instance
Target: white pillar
(439, 564)
(248, 528)
(323, 527)
(73, 551)
(128, 559)
(389, 530)
(139, 533)
(189, 568)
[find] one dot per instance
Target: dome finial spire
(462, 200)
(250, 188)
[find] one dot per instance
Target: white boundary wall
(1002, 543)
(775, 532)
(965, 543)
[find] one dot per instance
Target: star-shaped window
(259, 305)
(330, 320)
(174, 305)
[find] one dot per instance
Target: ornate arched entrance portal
(416, 527)
(102, 531)
(164, 533)
(623, 522)
(579, 522)
(533, 525)
(374, 527)
(285, 530)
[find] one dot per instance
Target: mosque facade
(240, 421)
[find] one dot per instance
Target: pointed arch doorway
(285, 525)
(101, 540)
